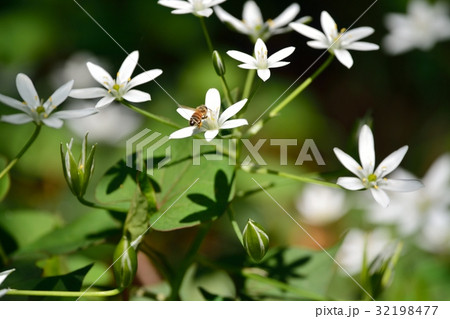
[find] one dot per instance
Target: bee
(200, 113)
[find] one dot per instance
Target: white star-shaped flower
(253, 25)
(3, 276)
(214, 120)
(423, 25)
(119, 88)
(337, 43)
(200, 8)
(35, 110)
(374, 179)
(261, 62)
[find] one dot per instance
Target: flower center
(198, 5)
(40, 109)
(372, 178)
(262, 58)
(116, 87)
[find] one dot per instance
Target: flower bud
(78, 174)
(125, 263)
(219, 66)
(256, 241)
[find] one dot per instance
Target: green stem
(300, 178)
(258, 125)
(206, 33)
(188, 260)
(22, 151)
(249, 83)
(227, 90)
(304, 294)
(107, 293)
(100, 206)
(150, 115)
(234, 224)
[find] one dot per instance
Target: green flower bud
(256, 241)
(125, 263)
(219, 66)
(78, 174)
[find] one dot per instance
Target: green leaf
(136, 223)
(5, 181)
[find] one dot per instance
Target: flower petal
(105, 101)
(402, 185)
(100, 75)
(185, 112)
(280, 55)
(5, 274)
(348, 162)
(27, 91)
(136, 96)
(20, 118)
(205, 12)
(175, 4)
(391, 162)
(231, 111)
(243, 57)
(362, 46)
(211, 134)
(13, 103)
(260, 46)
(53, 122)
(317, 44)
(59, 96)
(278, 64)
(350, 183)
(252, 15)
(309, 32)
(127, 67)
(88, 93)
(74, 114)
(234, 123)
(380, 196)
(183, 11)
(144, 77)
(344, 57)
(212, 101)
(329, 27)
(356, 34)
(264, 74)
(230, 20)
(366, 149)
(287, 16)
(185, 132)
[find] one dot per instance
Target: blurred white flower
(370, 178)
(253, 25)
(261, 62)
(320, 205)
(374, 244)
(423, 25)
(201, 8)
(337, 43)
(3, 276)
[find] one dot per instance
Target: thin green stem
(106, 293)
(300, 178)
(249, 83)
(150, 115)
(234, 224)
(100, 206)
(206, 33)
(226, 90)
(280, 106)
(22, 151)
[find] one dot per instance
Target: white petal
(252, 15)
(212, 101)
(186, 113)
(344, 57)
(329, 27)
(231, 111)
(13, 103)
(264, 74)
(243, 57)
(260, 46)
(127, 67)
(362, 46)
(230, 20)
(88, 93)
(212, 3)
(5, 274)
(183, 11)
(184, 132)
(205, 12)
(234, 123)
(53, 122)
(144, 77)
(287, 16)
(100, 75)
(391, 162)
(17, 118)
(309, 32)
(248, 66)
(175, 4)
(278, 64)
(402, 185)
(318, 44)
(211, 134)
(59, 96)
(348, 162)
(366, 149)
(136, 96)
(74, 114)
(438, 175)
(105, 101)
(280, 55)
(356, 34)
(350, 183)
(380, 196)
(27, 91)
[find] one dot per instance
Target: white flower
(214, 122)
(261, 62)
(337, 43)
(320, 205)
(421, 27)
(200, 8)
(374, 244)
(253, 25)
(119, 88)
(3, 276)
(36, 110)
(368, 176)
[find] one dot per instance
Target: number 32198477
(406, 310)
